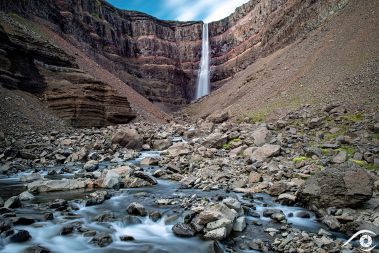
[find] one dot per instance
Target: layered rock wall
(30, 63)
(159, 58)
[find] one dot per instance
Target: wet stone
(20, 236)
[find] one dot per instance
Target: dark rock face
(29, 63)
(337, 187)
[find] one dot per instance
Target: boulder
(36, 249)
(56, 185)
(20, 236)
(216, 212)
(215, 140)
(255, 177)
(266, 151)
(111, 179)
(161, 144)
(13, 202)
(102, 240)
(135, 182)
(149, 161)
(183, 230)
(128, 137)
(135, 208)
(96, 198)
(146, 177)
(240, 224)
(178, 149)
(260, 136)
(91, 166)
(218, 117)
(341, 157)
(337, 187)
(25, 196)
(216, 234)
(30, 178)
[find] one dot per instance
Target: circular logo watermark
(365, 240)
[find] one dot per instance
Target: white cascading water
(203, 80)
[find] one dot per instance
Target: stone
(287, 198)
(91, 166)
(146, 177)
(126, 238)
(178, 149)
(232, 203)
(149, 161)
(20, 236)
(36, 249)
(183, 230)
(341, 157)
(96, 198)
(136, 209)
(128, 137)
(278, 188)
(161, 144)
(102, 240)
(278, 217)
(66, 230)
(255, 177)
(135, 182)
(23, 221)
(218, 117)
(261, 154)
(111, 180)
(25, 196)
(240, 224)
(13, 202)
(215, 140)
(331, 222)
(216, 234)
(260, 136)
(314, 122)
(30, 178)
(56, 185)
(215, 212)
(337, 187)
(226, 223)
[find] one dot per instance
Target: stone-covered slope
(30, 63)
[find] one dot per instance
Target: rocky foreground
(323, 160)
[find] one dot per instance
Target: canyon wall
(30, 63)
(260, 27)
(159, 58)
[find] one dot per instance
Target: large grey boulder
(337, 187)
(261, 154)
(128, 137)
(215, 140)
(179, 148)
(56, 185)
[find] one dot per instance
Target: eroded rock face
(160, 59)
(30, 63)
(337, 187)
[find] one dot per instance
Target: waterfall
(203, 79)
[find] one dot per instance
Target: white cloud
(206, 10)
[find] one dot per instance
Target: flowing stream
(203, 80)
(149, 236)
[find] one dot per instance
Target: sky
(182, 10)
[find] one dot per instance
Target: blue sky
(183, 10)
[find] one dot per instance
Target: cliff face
(30, 63)
(160, 59)
(260, 27)
(157, 58)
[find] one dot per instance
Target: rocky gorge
(239, 186)
(90, 162)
